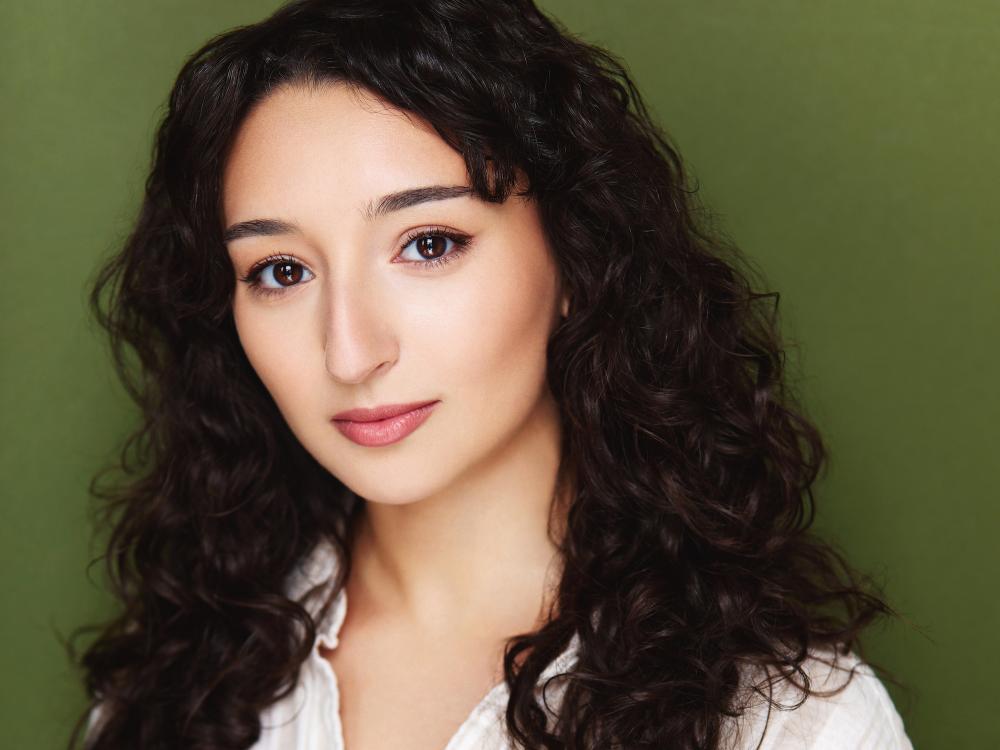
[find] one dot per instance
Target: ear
(564, 308)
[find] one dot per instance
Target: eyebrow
(373, 210)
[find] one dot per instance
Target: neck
(479, 555)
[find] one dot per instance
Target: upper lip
(380, 412)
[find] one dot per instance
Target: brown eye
(287, 274)
(275, 274)
(432, 246)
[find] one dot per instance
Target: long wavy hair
(688, 550)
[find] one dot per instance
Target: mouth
(384, 425)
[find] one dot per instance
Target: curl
(689, 563)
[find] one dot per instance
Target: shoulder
(852, 709)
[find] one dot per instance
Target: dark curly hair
(688, 555)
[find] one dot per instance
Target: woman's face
(357, 316)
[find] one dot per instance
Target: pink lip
(384, 425)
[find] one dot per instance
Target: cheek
(495, 331)
(276, 357)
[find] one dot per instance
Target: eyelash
(252, 278)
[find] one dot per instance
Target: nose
(358, 339)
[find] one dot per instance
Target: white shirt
(860, 717)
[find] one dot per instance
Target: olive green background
(851, 148)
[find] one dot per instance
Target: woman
(426, 324)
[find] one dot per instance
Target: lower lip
(384, 431)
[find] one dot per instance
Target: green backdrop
(852, 149)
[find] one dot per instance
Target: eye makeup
(460, 245)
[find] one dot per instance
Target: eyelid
(263, 263)
(461, 240)
(408, 237)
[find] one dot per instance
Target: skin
(453, 542)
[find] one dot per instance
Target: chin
(402, 489)
(421, 465)
(400, 477)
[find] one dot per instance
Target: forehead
(330, 145)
